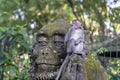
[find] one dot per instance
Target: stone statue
(48, 55)
(48, 51)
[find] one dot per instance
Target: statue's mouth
(47, 69)
(41, 61)
(46, 75)
(48, 64)
(44, 67)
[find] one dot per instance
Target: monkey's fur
(74, 39)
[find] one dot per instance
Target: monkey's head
(77, 24)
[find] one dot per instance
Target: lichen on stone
(59, 26)
(94, 69)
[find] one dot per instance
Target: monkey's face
(77, 24)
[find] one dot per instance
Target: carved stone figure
(48, 55)
(48, 51)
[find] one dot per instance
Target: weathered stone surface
(75, 69)
(48, 51)
(48, 54)
(94, 69)
(79, 68)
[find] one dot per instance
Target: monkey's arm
(78, 41)
(70, 46)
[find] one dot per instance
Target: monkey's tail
(62, 67)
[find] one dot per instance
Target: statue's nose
(46, 51)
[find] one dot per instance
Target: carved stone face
(48, 52)
(49, 57)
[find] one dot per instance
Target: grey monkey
(74, 39)
(73, 42)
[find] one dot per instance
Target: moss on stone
(59, 26)
(94, 69)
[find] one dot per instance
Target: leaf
(3, 61)
(3, 29)
(23, 31)
(7, 55)
(2, 36)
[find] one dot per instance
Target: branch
(73, 9)
(104, 43)
(38, 4)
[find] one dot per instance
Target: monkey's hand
(79, 40)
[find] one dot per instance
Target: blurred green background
(21, 19)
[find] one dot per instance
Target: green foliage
(99, 51)
(113, 69)
(13, 66)
(113, 64)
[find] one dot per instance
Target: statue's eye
(58, 43)
(42, 43)
(58, 39)
(42, 40)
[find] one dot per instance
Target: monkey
(74, 39)
(73, 43)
